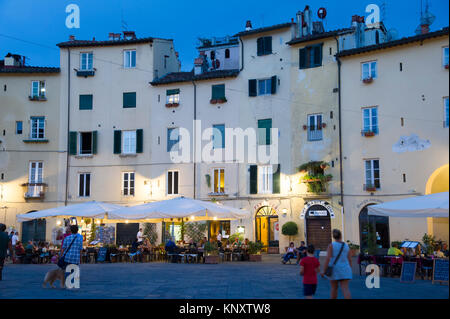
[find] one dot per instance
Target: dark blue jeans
(288, 256)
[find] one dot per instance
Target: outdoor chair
(381, 262)
(114, 255)
(134, 256)
(227, 255)
(427, 267)
(236, 255)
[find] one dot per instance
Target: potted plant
(371, 188)
(369, 133)
(222, 100)
(289, 229)
(211, 253)
(446, 66)
(208, 180)
(430, 243)
(324, 125)
(254, 250)
(213, 101)
(354, 249)
(305, 127)
(368, 80)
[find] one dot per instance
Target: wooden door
(318, 232)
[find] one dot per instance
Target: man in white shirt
(219, 236)
(140, 236)
(15, 239)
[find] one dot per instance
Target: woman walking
(338, 266)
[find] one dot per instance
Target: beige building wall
(409, 92)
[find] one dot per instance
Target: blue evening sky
(32, 28)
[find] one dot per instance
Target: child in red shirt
(309, 268)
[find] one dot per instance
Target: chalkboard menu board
(101, 254)
(440, 270)
(408, 272)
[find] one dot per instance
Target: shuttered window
(117, 142)
(218, 91)
(86, 102)
(264, 46)
(311, 56)
(253, 179)
(218, 136)
(129, 99)
(172, 182)
(262, 86)
(264, 179)
(264, 127)
(172, 139)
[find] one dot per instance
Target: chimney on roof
(129, 35)
(248, 25)
(424, 28)
(360, 30)
(201, 64)
(71, 38)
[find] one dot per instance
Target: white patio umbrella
(88, 210)
(180, 207)
(434, 205)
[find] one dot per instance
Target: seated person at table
(19, 250)
(438, 253)
(290, 253)
(301, 251)
(228, 245)
(245, 244)
(445, 250)
(170, 246)
(236, 243)
(394, 251)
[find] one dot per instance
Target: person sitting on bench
(290, 253)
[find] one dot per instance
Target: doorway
(374, 229)
(266, 227)
(318, 227)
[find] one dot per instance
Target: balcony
(315, 133)
(34, 190)
(370, 188)
(36, 140)
(85, 73)
(37, 98)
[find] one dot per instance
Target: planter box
(273, 250)
(305, 127)
(446, 66)
(255, 258)
(368, 80)
(172, 104)
(369, 134)
(371, 189)
(211, 259)
(213, 101)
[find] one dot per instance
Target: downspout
(68, 128)
(195, 137)
(340, 135)
(242, 54)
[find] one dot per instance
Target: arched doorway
(266, 226)
(374, 229)
(318, 227)
(34, 230)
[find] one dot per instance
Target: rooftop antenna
(124, 23)
(383, 12)
(426, 18)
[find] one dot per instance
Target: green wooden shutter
(172, 91)
(94, 142)
(276, 179)
(252, 87)
(117, 142)
(218, 91)
(129, 99)
(260, 46)
(264, 127)
(317, 55)
(73, 136)
(274, 83)
(267, 45)
(253, 179)
(139, 140)
(302, 58)
(85, 101)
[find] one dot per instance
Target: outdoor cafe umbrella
(91, 209)
(434, 205)
(179, 208)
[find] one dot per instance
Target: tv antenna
(123, 22)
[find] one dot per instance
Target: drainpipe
(242, 54)
(68, 128)
(195, 137)
(340, 133)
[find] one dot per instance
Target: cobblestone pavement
(237, 280)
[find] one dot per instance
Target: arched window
(227, 53)
(374, 229)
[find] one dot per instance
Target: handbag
(61, 263)
(329, 271)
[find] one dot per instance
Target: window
(372, 168)
(262, 86)
(129, 59)
(173, 96)
(227, 53)
(128, 183)
(264, 127)
(84, 184)
(264, 46)
(311, 56)
(218, 92)
(129, 142)
(129, 99)
(369, 70)
(315, 127)
(38, 89)
(19, 127)
(86, 101)
(172, 182)
(370, 120)
(446, 112)
(35, 179)
(265, 179)
(173, 138)
(218, 136)
(219, 180)
(86, 143)
(445, 57)
(37, 127)
(86, 59)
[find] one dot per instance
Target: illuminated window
(219, 180)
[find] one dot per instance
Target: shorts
(309, 289)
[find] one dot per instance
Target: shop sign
(327, 208)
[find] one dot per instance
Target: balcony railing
(85, 73)
(314, 134)
(34, 190)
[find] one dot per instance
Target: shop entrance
(318, 227)
(266, 224)
(33, 230)
(126, 233)
(373, 231)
